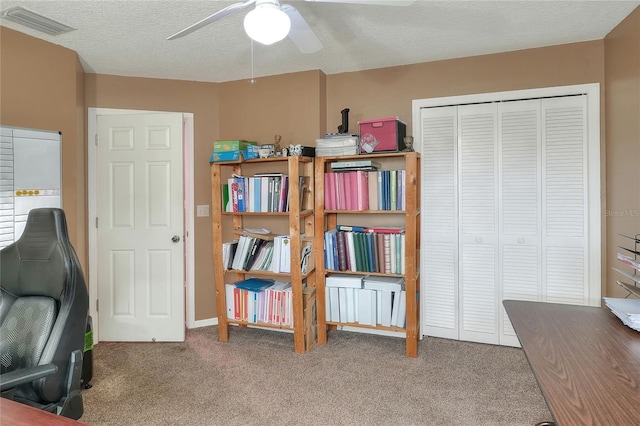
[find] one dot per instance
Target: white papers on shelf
(629, 261)
(628, 310)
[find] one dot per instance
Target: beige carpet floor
(356, 379)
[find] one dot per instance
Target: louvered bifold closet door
(439, 222)
(478, 195)
(520, 151)
(565, 201)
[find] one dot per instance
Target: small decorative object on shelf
(408, 144)
(267, 150)
(276, 144)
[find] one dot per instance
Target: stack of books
(366, 300)
(252, 253)
(363, 187)
(257, 300)
(360, 249)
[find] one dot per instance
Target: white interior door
(140, 227)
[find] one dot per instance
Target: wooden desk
(586, 361)
(15, 414)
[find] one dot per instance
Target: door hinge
(95, 139)
(97, 305)
(96, 222)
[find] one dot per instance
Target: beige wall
(290, 105)
(388, 92)
(201, 99)
(622, 74)
(43, 85)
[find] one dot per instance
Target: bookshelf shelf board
(365, 211)
(371, 327)
(259, 324)
(301, 159)
(363, 156)
(303, 213)
(377, 274)
(266, 273)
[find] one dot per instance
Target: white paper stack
(337, 145)
(628, 310)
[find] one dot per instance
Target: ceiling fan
(270, 22)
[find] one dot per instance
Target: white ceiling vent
(34, 20)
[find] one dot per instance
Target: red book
(362, 181)
(341, 192)
(234, 195)
(342, 251)
(330, 202)
(236, 303)
(353, 191)
(386, 230)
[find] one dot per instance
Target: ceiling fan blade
(212, 18)
(301, 34)
(372, 2)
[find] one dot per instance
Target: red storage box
(382, 135)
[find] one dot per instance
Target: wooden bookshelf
(409, 218)
(298, 223)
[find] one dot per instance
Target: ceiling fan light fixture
(267, 23)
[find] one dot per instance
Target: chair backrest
(44, 302)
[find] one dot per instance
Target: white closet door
(478, 194)
(520, 150)
(565, 201)
(439, 236)
(510, 210)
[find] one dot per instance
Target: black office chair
(43, 317)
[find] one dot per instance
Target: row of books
(270, 302)
(365, 190)
(268, 192)
(366, 300)
(365, 250)
(252, 253)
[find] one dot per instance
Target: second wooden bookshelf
(393, 214)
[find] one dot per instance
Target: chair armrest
(25, 375)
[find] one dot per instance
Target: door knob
(175, 239)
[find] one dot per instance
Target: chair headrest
(37, 264)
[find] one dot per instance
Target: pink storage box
(382, 135)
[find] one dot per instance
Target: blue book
(351, 228)
(385, 190)
(254, 284)
(370, 252)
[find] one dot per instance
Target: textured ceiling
(129, 37)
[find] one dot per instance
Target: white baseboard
(371, 331)
(204, 323)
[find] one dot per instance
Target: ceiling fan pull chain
(253, 80)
